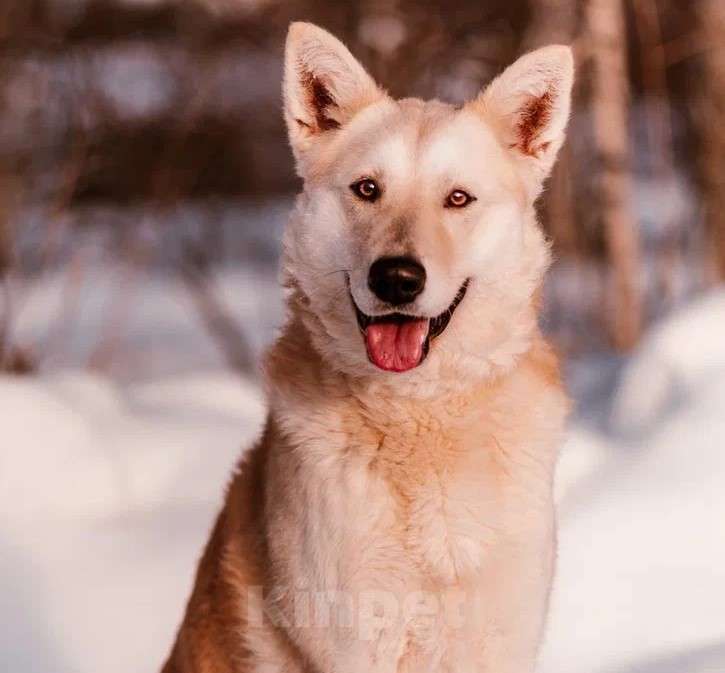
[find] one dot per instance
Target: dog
(396, 515)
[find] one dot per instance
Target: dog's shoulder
(535, 383)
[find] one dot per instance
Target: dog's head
(414, 247)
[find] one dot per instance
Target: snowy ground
(107, 492)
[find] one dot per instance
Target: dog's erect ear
(528, 106)
(324, 86)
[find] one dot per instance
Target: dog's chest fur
(419, 493)
(439, 484)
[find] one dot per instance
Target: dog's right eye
(366, 189)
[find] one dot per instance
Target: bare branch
(216, 318)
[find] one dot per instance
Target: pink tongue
(396, 347)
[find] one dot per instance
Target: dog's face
(414, 246)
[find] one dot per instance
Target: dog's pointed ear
(324, 86)
(528, 106)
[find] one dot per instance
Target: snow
(108, 491)
(677, 359)
(641, 577)
(106, 497)
(148, 318)
(642, 551)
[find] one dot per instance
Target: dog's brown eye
(366, 189)
(458, 199)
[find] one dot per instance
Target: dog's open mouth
(397, 342)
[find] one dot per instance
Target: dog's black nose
(396, 280)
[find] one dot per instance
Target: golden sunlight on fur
(397, 516)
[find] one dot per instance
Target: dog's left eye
(366, 189)
(458, 199)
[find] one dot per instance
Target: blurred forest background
(144, 167)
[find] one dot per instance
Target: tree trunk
(610, 107)
(660, 152)
(552, 22)
(6, 198)
(711, 17)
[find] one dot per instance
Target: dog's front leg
(349, 631)
(339, 576)
(514, 602)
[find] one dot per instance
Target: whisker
(330, 273)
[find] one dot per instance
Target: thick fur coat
(398, 522)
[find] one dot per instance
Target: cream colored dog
(397, 514)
